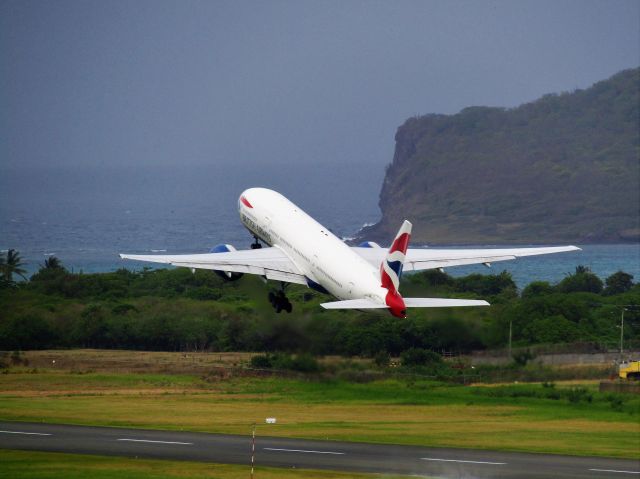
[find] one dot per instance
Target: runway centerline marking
(157, 442)
(613, 470)
(461, 460)
(27, 433)
(302, 450)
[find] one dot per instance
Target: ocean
(86, 216)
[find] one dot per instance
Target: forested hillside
(562, 168)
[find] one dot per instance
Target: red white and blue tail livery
(391, 270)
(305, 252)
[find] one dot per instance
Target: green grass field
(566, 419)
(43, 465)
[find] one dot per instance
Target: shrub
(382, 359)
(262, 361)
(619, 282)
(537, 288)
(575, 395)
(420, 357)
(304, 363)
(521, 358)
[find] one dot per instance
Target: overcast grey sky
(98, 82)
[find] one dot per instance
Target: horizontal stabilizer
(354, 304)
(409, 303)
(442, 303)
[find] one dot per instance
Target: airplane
(302, 251)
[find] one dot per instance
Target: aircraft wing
(271, 263)
(418, 259)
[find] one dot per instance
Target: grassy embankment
(565, 419)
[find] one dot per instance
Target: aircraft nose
(244, 200)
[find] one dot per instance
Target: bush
(537, 288)
(486, 285)
(382, 359)
(575, 395)
(262, 361)
(618, 283)
(304, 363)
(521, 358)
(616, 402)
(420, 357)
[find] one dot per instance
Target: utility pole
(624, 307)
(510, 330)
(621, 333)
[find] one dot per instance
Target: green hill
(562, 168)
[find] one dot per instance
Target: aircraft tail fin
(391, 267)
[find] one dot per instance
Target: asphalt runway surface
(309, 454)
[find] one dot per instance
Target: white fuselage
(319, 254)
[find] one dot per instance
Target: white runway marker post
(253, 447)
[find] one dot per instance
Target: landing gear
(256, 244)
(279, 301)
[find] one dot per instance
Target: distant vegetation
(175, 310)
(562, 168)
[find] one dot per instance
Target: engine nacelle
(226, 275)
(369, 244)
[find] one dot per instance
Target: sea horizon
(87, 216)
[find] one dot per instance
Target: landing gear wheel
(279, 301)
(256, 244)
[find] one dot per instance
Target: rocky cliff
(564, 168)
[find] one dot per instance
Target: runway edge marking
(157, 442)
(613, 470)
(277, 449)
(461, 460)
(27, 433)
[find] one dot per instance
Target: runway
(310, 454)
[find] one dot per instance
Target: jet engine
(226, 275)
(369, 244)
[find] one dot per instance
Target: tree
(52, 263)
(537, 288)
(619, 282)
(583, 280)
(3, 282)
(486, 285)
(11, 265)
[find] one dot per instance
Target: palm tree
(12, 265)
(52, 263)
(3, 263)
(581, 269)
